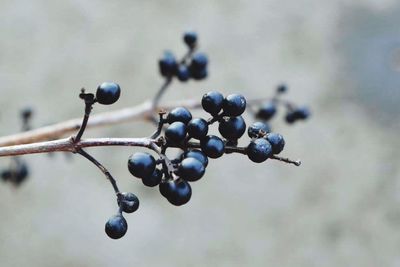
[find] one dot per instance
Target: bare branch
(68, 145)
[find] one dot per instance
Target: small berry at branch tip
(108, 93)
(116, 227)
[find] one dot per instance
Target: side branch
(67, 145)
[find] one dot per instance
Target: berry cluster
(179, 130)
(191, 136)
(192, 66)
(267, 110)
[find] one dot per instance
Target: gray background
(340, 208)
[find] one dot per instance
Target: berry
(141, 164)
(258, 129)
(198, 74)
(154, 179)
(234, 105)
(19, 173)
(212, 102)
(199, 62)
(191, 169)
(212, 146)
(197, 128)
(182, 73)
(232, 128)
(290, 117)
(259, 150)
(116, 226)
(26, 113)
(267, 111)
(167, 65)
(6, 175)
(177, 192)
(282, 88)
(179, 114)
(302, 113)
(196, 154)
(190, 39)
(108, 93)
(128, 202)
(176, 132)
(277, 142)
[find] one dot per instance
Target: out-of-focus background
(340, 208)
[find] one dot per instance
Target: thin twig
(102, 169)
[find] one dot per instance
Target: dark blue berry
(259, 150)
(197, 154)
(154, 179)
(282, 88)
(141, 164)
(212, 146)
(234, 105)
(168, 65)
(128, 202)
(212, 102)
(266, 111)
(232, 128)
(116, 227)
(277, 142)
(176, 132)
(183, 73)
(6, 175)
(302, 113)
(258, 129)
(26, 113)
(199, 62)
(177, 192)
(190, 39)
(191, 169)
(197, 128)
(291, 117)
(198, 74)
(179, 114)
(108, 93)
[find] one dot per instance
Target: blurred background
(340, 208)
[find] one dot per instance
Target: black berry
(199, 62)
(177, 192)
(190, 39)
(197, 154)
(282, 88)
(116, 227)
(266, 111)
(234, 105)
(212, 102)
(141, 164)
(128, 202)
(179, 114)
(259, 150)
(277, 142)
(197, 128)
(191, 169)
(168, 65)
(258, 129)
(154, 179)
(199, 74)
(108, 93)
(182, 73)
(212, 146)
(232, 128)
(176, 132)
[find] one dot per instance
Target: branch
(67, 145)
(143, 111)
